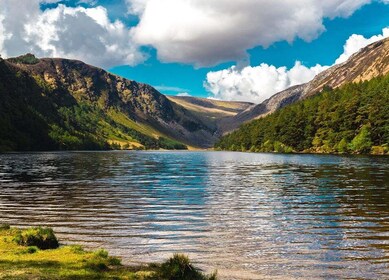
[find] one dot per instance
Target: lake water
(251, 216)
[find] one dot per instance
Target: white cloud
(357, 42)
(79, 33)
(170, 88)
(200, 32)
(184, 94)
(256, 84)
(205, 32)
(3, 36)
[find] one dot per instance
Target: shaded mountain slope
(67, 104)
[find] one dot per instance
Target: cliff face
(370, 62)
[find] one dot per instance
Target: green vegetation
(42, 238)
(352, 119)
(38, 115)
(19, 260)
(25, 59)
(179, 268)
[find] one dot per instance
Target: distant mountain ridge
(369, 62)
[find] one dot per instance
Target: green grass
(73, 262)
(121, 118)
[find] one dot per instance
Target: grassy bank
(22, 258)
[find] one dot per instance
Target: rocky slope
(370, 62)
(75, 106)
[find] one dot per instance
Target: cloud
(199, 32)
(78, 33)
(184, 94)
(357, 42)
(170, 88)
(3, 36)
(256, 84)
(205, 33)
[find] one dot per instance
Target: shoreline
(193, 150)
(35, 253)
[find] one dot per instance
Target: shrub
(43, 238)
(114, 261)
(101, 261)
(179, 267)
(378, 150)
(97, 264)
(77, 249)
(101, 253)
(32, 249)
(5, 226)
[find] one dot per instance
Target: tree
(362, 141)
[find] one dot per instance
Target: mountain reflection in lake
(251, 216)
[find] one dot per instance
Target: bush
(101, 261)
(114, 261)
(43, 238)
(378, 150)
(29, 250)
(25, 59)
(101, 253)
(97, 264)
(5, 226)
(32, 249)
(179, 267)
(77, 249)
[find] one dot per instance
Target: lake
(251, 216)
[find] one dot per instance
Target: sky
(242, 50)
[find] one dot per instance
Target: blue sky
(232, 50)
(367, 21)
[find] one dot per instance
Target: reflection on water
(251, 216)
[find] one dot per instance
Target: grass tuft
(43, 238)
(179, 267)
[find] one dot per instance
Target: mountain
(351, 119)
(210, 111)
(51, 104)
(370, 62)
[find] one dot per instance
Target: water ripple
(251, 216)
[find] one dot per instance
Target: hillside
(211, 111)
(51, 104)
(351, 119)
(366, 64)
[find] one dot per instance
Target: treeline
(352, 119)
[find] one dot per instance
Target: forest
(353, 119)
